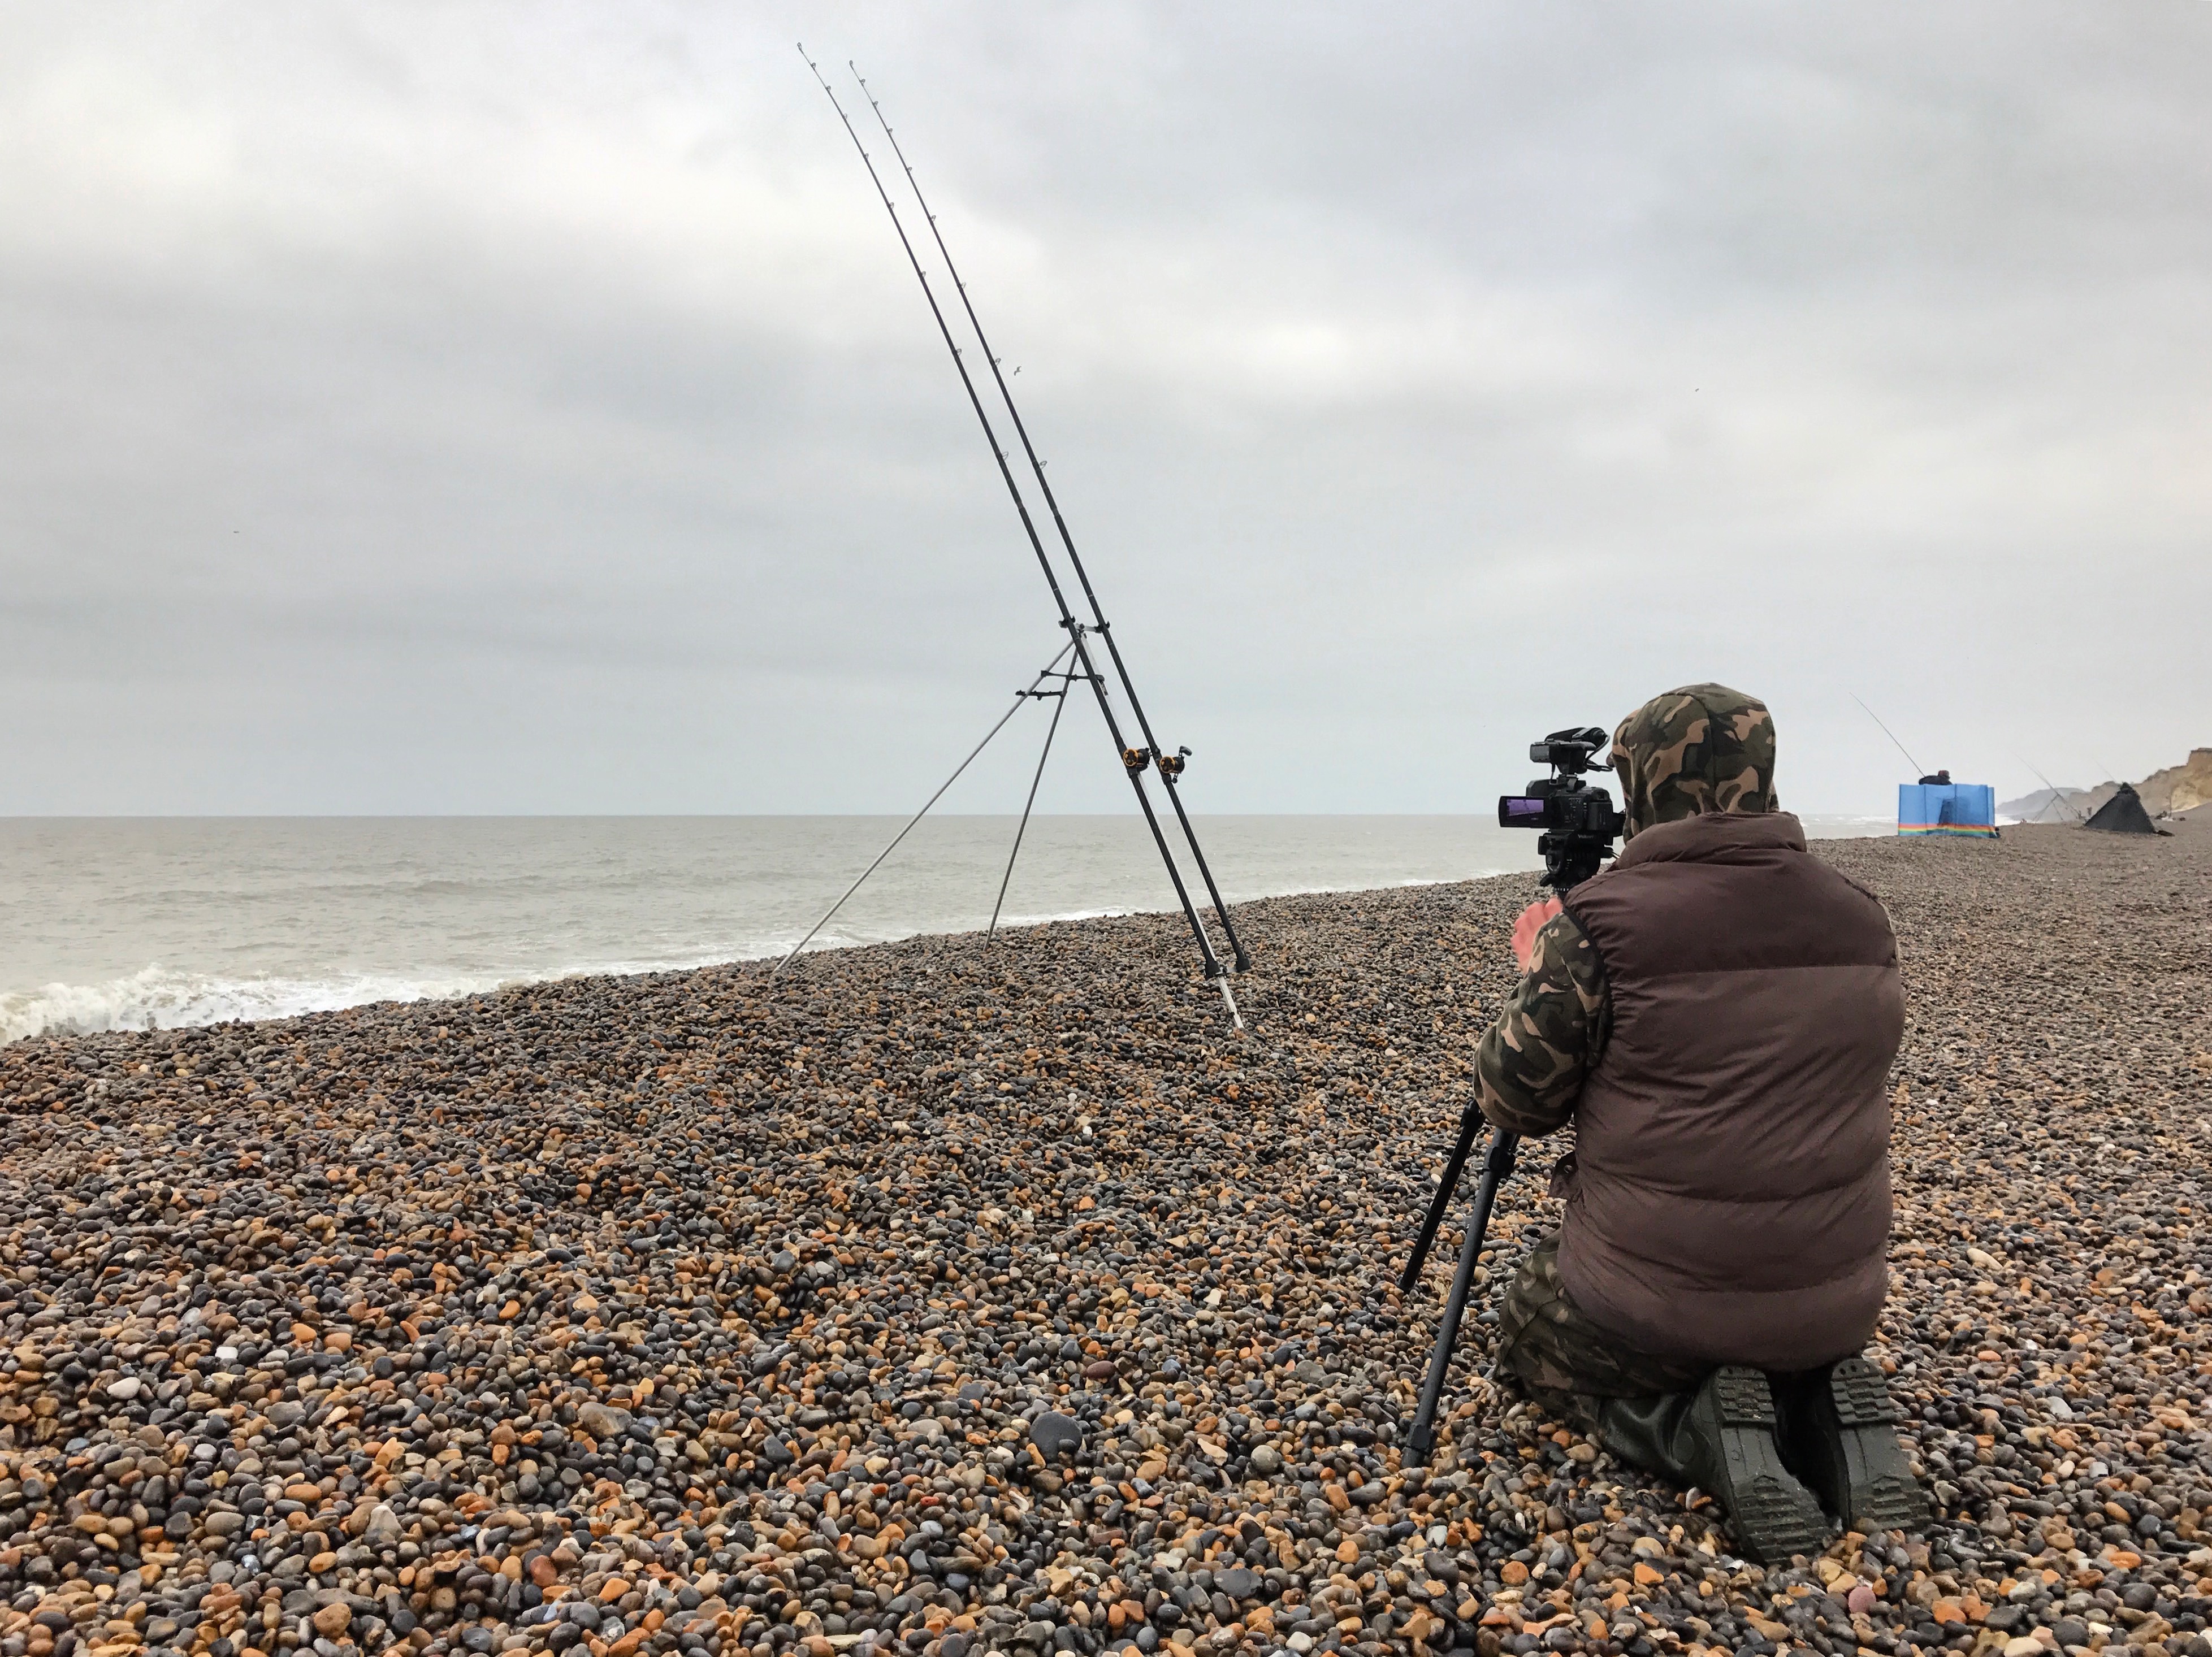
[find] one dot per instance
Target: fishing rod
(1887, 732)
(1170, 766)
(2049, 786)
(1077, 631)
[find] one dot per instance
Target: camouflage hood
(1704, 747)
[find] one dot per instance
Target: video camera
(1579, 821)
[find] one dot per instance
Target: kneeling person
(1715, 1014)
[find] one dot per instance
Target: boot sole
(1773, 1514)
(1879, 1492)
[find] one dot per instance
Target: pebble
(929, 1301)
(1052, 1432)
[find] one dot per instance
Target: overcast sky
(528, 408)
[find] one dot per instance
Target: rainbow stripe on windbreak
(1967, 830)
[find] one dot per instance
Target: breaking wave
(158, 999)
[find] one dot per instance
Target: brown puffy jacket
(1728, 1197)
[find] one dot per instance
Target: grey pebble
(1052, 1432)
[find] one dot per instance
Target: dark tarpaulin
(2122, 814)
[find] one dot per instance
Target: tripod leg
(1029, 805)
(1447, 1183)
(1496, 1167)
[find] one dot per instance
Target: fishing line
(1020, 696)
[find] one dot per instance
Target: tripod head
(1578, 821)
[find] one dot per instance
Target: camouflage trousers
(1567, 1363)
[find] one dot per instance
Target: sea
(139, 923)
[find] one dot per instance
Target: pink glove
(1532, 921)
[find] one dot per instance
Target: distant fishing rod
(1076, 630)
(2050, 787)
(1887, 732)
(1169, 766)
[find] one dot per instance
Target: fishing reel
(1578, 821)
(1136, 759)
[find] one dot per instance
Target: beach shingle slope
(946, 1300)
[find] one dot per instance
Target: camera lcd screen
(1521, 810)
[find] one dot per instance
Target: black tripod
(1580, 825)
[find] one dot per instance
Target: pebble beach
(933, 1298)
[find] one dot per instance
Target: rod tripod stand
(1136, 759)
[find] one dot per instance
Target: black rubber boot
(1840, 1432)
(1721, 1439)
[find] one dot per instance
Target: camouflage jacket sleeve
(1531, 1063)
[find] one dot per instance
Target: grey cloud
(442, 408)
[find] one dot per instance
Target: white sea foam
(158, 999)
